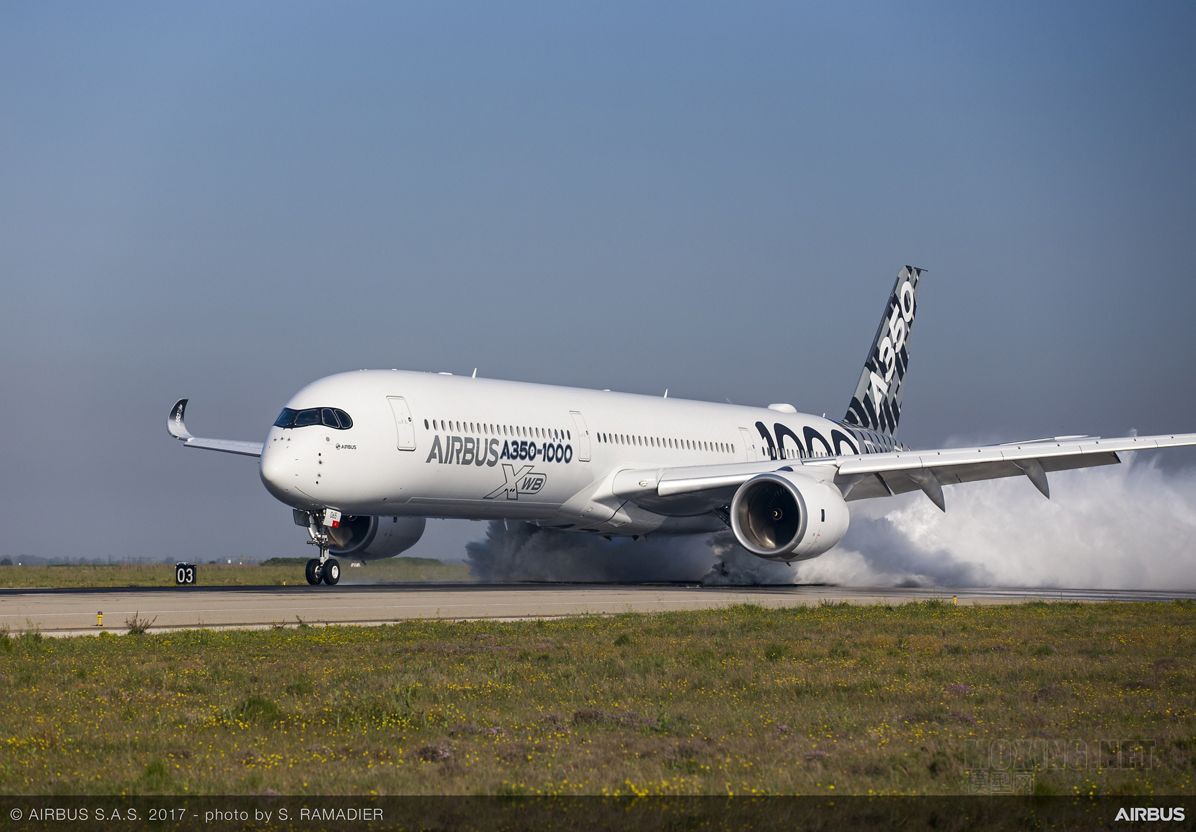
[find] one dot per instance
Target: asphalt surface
(74, 611)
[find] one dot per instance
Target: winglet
(175, 424)
(178, 429)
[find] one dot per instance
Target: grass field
(274, 572)
(823, 700)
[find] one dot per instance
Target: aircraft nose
(279, 476)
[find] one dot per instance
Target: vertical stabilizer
(876, 404)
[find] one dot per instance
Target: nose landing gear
(328, 572)
(323, 569)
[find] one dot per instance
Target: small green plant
(259, 709)
(139, 625)
(32, 634)
(774, 652)
(156, 776)
(299, 687)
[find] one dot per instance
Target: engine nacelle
(373, 538)
(788, 516)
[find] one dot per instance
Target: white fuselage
(434, 445)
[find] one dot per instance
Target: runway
(73, 611)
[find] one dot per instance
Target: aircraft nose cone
(278, 475)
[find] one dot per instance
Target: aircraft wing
(878, 475)
(178, 429)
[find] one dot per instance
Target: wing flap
(879, 475)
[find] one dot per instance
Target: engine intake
(373, 538)
(787, 516)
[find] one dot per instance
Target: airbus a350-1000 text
(364, 457)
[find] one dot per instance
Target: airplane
(364, 457)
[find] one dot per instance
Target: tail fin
(876, 404)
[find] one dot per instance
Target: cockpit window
(330, 417)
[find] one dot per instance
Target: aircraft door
(404, 424)
(745, 437)
(582, 434)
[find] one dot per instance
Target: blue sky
(227, 201)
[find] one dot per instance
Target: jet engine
(373, 538)
(788, 516)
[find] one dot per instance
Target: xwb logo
(525, 482)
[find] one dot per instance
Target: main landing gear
(323, 569)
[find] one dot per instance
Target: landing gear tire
(312, 571)
(331, 573)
